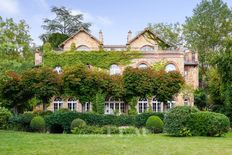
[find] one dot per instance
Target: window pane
(170, 67)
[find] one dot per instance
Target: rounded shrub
(154, 124)
(37, 124)
(176, 120)
(209, 124)
(77, 123)
(5, 114)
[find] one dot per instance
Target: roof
(81, 30)
(153, 33)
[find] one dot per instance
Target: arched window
(170, 104)
(72, 104)
(114, 105)
(142, 65)
(83, 48)
(156, 105)
(170, 67)
(147, 48)
(114, 69)
(58, 69)
(143, 105)
(57, 103)
(86, 107)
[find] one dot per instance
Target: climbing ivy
(102, 59)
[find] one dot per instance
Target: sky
(114, 17)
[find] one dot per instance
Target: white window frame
(110, 106)
(186, 101)
(173, 67)
(156, 105)
(86, 107)
(170, 104)
(58, 103)
(142, 105)
(58, 69)
(115, 69)
(72, 104)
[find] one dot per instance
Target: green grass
(60, 144)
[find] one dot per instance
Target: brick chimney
(101, 37)
(38, 57)
(129, 35)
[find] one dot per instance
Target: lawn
(23, 143)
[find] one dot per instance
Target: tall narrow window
(143, 105)
(170, 104)
(57, 103)
(156, 105)
(72, 104)
(86, 107)
(186, 101)
(114, 69)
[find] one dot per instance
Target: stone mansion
(184, 61)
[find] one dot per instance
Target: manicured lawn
(33, 143)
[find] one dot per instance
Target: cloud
(94, 19)
(9, 6)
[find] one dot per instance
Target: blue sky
(114, 18)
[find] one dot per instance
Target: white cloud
(95, 20)
(9, 6)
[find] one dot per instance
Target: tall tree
(206, 30)
(65, 23)
(171, 33)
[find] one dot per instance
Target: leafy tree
(172, 33)
(15, 93)
(64, 22)
(44, 83)
(55, 39)
(207, 29)
(14, 38)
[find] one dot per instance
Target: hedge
(64, 119)
(208, 124)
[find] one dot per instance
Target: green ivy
(102, 59)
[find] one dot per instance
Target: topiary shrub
(37, 124)
(176, 120)
(5, 114)
(208, 124)
(77, 123)
(154, 124)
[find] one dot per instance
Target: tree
(14, 38)
(44, 83)
(171, 33)
(15, 93)
(207, 29)
(55, 39)
(64, 22)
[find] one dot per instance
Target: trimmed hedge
(176, 120)
(154, 124)
(37, 124)
(208, 124)
(64, 119)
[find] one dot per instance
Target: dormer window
(83, 48)
(147, 48)
(58, 69)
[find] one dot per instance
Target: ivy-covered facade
(144, 50)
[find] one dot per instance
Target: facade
(184, 61)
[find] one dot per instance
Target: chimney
(101, 37)
(129, 36)
(38, 57)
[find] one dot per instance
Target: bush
(108, 129)
(176, 120)
(128, 130)
(88, 130)
(37, 124)
(5, 114)
(77, 123)
(154, 124)
(141, 119)
(208, 124)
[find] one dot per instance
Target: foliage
(22, 121)
(44, 83)
(209, 124)
(172, 33)
(154, 124)
(101, 59)
(15, 93)
(64, 120)
(176, 120)
(99, 103)
(88, 130)
(207, 29)
(77, 123)
(128, 130)
(55, 39)
(64, 22)
(38, 124)
(14, 38)
(73, 47)
(47, 47)
(200, 98)
(5, 114)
